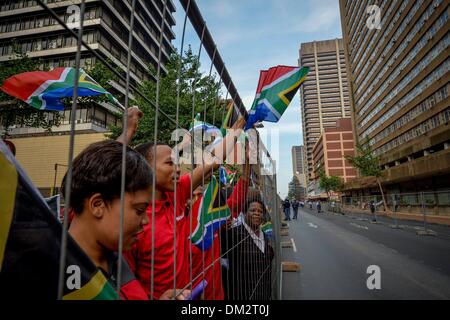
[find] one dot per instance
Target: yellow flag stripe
(90, 290)
(283, 93)
(8, 188)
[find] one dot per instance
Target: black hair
(252, 200)
(146, 149)
(98, 169)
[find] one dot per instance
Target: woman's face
(255, 213)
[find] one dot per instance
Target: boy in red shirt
(160, 259)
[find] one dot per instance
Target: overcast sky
(252, 35)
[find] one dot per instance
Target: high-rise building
(106, 30)
(297, 160)
(324, 94)
(299, 168)
(399, 77)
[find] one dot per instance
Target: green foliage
(365, 161)
(330, 183)
(294, 187)
(192, 83)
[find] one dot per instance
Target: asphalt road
(334, 252)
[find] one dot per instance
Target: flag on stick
(44, 90)
(276, 88)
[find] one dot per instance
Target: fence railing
(244, 267)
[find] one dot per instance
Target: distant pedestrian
(319, 207)
(295, 205)
(372, 210)
(287, 209)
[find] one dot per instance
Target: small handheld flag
(226, 176)
(211, 214)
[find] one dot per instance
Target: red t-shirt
(201, 260)
(140, 255)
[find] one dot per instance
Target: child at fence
(166, 254)
(95, 203)
(249, 256)
(211, 257)
(94, 214)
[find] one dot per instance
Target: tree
(192, 82)
(329, 183)
(368, 164)
(294, 188)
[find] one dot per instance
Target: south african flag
(209, 216)
(44, 90)
(30, 243)
(276, 88)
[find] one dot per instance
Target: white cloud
(317, 16)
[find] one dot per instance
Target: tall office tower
(106, 25)
(298, 165)
(324, 94)
(399, 77)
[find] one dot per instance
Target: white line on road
(293, 245)
(359, 226)
(312, 225)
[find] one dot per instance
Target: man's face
(166, 170)
(135, 218)
(255, 214)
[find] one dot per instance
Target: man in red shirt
(160, 259)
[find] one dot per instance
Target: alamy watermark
(74, 17)
(208, 148)
(374, 19)
(374, 280)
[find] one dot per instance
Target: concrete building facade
(399, 82)
(324, 94)
(299, 167)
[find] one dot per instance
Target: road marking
(293, 245)
(359, 226)
(312, 225)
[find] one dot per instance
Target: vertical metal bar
(220, 231)
(277, 236)
(178, 108)
(203, 163)
(124, 149)
(63, 254)
(424, 211)
(212, 171)
(193, 141)
(158, 84)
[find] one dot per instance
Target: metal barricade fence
(413, 205)
(250, 255)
